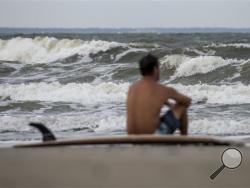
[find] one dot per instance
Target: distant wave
(187, 66)
(49, 49)
(236, 45)
(125, 53)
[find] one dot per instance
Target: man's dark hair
(147, 64)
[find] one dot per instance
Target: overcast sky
(124, 13)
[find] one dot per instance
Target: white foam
(201, 65)
(199, 52)
(223, 94)
(111, 123)
(49, 49)
(121, 55)
(236, 45)
(220, 126)
(92, 94)
(144, 45)
(187, 66)
(73, 92)
(173, 61)
(98, 123)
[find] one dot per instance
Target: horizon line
(124, 27)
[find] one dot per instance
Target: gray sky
(124, 13)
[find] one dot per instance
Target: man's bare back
(145, 99)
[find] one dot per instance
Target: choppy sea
(76, 83)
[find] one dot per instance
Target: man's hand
(170, 103)
(179, 97)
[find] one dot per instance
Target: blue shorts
(168, 123)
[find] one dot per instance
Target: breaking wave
(49, 49)
(187, 66)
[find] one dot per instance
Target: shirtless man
(145, 99)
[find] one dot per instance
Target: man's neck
(149, 79)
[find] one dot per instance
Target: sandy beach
(119, 166)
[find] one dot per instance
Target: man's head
(149, 66)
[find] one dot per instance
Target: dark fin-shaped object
(47, 134)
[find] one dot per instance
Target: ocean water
(76, 83)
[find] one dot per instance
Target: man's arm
(178, 97)
(184, 102)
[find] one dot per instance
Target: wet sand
(120, 166)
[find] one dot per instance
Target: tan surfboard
(50, 140)
(136, 139)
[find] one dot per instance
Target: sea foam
(73, 92)
(97, 123)
(109, 124)
(108, 92)
(220, 126)
(217, 94)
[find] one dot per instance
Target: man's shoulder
(135, 84)
(166, 90)
(164, 87)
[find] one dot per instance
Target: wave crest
(49, 49)
(188, 66)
